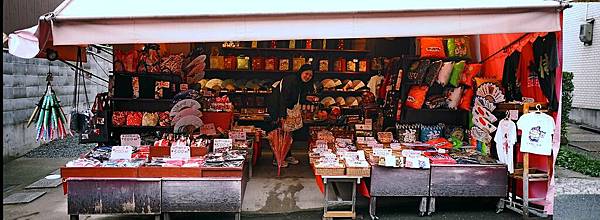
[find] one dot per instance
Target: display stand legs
(327, 214)
(431, 208)
(373, 207)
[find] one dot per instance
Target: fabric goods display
(432, 47)
(469, 73)
(466, 99)
(258, 63)
(479, 110)
(126, 61)
(186, 112)
(214, 84)
(457, 70)
(164, 120)
(440, 143)
(408, 133)
(149, 59)
(271, 64)
(481, 80)
(436, 101)
(280, 142)
(416, 97)
(50, 118)
(454, 97)
(480, 135)
(134, 118)
(429, 132)
(217, 61)
(150, 119)
(172, 64)
(119, 118)
(444, 73)
(417, 71)
(432, 72)
(284, 64)
(456, 132)
(243, 63)
(491, 92)
(458, 47)
(230, 63)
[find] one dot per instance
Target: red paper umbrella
(280, 141)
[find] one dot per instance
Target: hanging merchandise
(432, 72)
(297, 63)
(491, 92)
(243, 62)
(432, 47)
(150, 60)
(459, 47)
(505, 138)
(98, 132)
(50, 118)
(468, 75)
(271, 64)
(537, 130)
(445, 72)
(172, 64)
(417, 72)
(509, 77)
(546, 61)
(280, 142)
(484, 124)
(416, 97)
(466, 100)
(258, 63)
(485, 103)
(217, 61)
(457, 70)
(530, 84)
(479, 110)
(230, 62)
(480, 135)
(323, 65)
(284, 64)
(454, 97)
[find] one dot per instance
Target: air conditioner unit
(586, 32)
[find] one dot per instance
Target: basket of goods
(358, 168)
(328, 166)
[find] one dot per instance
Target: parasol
(50, 122)
(280, 141)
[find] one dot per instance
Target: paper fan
(491, 92)
(202, 83)
(190, 120)
(481, 101)
(328, 101)
(337, 82)
(214, 84)
(186, 103)
(357, 84)
(328, 83)
(340, 101)
(186, 112)
(351, 101)
(229, 85)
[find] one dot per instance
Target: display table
(467, 180)
(404, 182)
(206, 189)
(327, 214)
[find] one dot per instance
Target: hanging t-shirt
(505, 138)
(537, 133)
(509, 77)
(546, 60)
(530, 84)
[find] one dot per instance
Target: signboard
(237, 135)
(180, 152)
(222, 145)
(208, 129)
(382, 152)
(131, 140)
(121, 152)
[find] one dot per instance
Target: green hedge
(578, 162)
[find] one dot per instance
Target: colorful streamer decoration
(50, 118)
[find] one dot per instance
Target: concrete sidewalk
(584, 141)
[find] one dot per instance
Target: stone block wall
(23, 85)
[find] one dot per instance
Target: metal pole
(83, 70)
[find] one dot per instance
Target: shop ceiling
(77, 22)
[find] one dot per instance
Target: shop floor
(22, 197)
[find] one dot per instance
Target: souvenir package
(454, 97)
(436, 101)
(432, 47)
(297, 63)
(417, 72)
(440, 143)
(119, 118)
(339, 65)
(469, 73)
(271, 64)
(284, 64)
(484, 124)
(432, 72)
(258, 63)
(135, 82)
(429, 132)
(150, 119)
(134, 118)
(416, 97)
(323, 65)
(444, 73)
(350, 66)
(466, 99)
(459, 47)
(457, 70)
(172, 64)
(362, 65)
(230, 63)
(126, 61)
(408, 133)
(217, 62)
(243, 62)
(164, 119)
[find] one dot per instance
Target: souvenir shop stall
(466, 107)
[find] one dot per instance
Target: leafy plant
(567, 100)
(578, 162)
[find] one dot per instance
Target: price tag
(133, 140)
(180, 152)
(208, 129)
(222, 145)
(370, 139)
(395, 145)
(121, 152)
(360, 140)
(382, 152)
(377, 146)
(390, 161)
(372, 143)
(237, 135)
(343, 140)
(513, 114)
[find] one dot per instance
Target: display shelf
(253, 74)
(141, 100)
(435, 116)
(161, 75)
(143, 128)
(338, 93)
(293, 50)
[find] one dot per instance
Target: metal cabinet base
(398, 182)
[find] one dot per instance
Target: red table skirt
(362, 187)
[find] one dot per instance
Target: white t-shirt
(537, 133)
(505, 138)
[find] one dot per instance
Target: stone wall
(24, 83)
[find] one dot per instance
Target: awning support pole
(85, 71)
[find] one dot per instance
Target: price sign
(222, 145)
(237, 135)
(133, 140)
(513, 114)
(180, 152)
(343, 140)
(395, 145)
(360, 140)
(370, 139)
(121, 152)
(208, 129)
(390, 161)
(382, 152)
